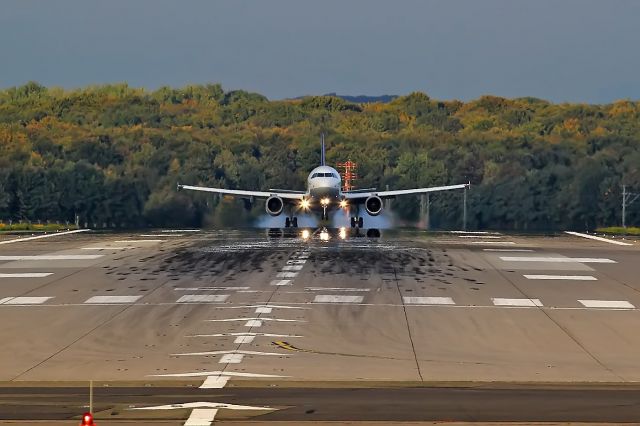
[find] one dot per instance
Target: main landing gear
(357, 222)
(291, 222)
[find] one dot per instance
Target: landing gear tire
(353, 222)
(360, 222)
(287, 222)
(294, 222)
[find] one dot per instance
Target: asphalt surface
(341, 330)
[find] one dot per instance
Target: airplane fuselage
(324, 183)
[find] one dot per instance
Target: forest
(112, 155)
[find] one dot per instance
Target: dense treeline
(112, 155)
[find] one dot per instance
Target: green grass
(35, 227)
(619, 230)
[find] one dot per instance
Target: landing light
(304, 203)
(343, 233)
(343, 204)
(324, 201)
(324, 236)
(305, 234)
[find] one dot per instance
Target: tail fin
(322, 156)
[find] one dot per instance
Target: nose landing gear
(291, 222)
(357, 222)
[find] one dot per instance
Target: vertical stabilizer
(322, 156)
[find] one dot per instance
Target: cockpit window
(332, 175)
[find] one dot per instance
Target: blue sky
(561, 50)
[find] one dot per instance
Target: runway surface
(287, 323)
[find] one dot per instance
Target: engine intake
(274, 205)
(373, 205)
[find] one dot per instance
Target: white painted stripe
(621, 304)
(562, 277)
(417, 300)
(245, 319)
(506, 243)
(292, 267)
(244, 339)
(247, 334)
(296, 262)
(138, 241)
(334, 298)
(263, 306)
(281, 282)
(492, 249)
(217, 373)
(253, 323)
(557, 259)
(287, 274)
(214, 382)
(38, 237)
(208, 353)
(180, 230)
(203, 298)
(231, 359)
(54, 257)
(593, 237)
(27, 275)
(113, 299)
(201, 417)
(5, 299)
(163, 236)
(210, 288)
(26, 300)
(263, 310)
(336, 289)
(479, 236)
(473, 232)
(193, 405)
(498, 301)
(108, 248)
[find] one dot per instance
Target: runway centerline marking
(241, 352)
(498, 301)
(292, 267)
(231, 359)
(618, 304)
(557, 259)
(27, 275)
(280, 282)
(562, 277)
(214, 382)
(218, 373)
(38, 237)
(201, 417)
(24, 300)
(336, 298)
(418, 300)
(197, 298)
(286, 274)
(593, 237)
(112, 299)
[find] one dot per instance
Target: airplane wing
(245, 194)
(390, 194)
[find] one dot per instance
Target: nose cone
(325, 191)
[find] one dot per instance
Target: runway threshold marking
(417, 300)
(38, 237)
(336, 298)
(27, 275)
(557, 259)
(24, 300)
(197, 298)
(498, 301)
(112, 299)
(617, 304)
(562, 277)
(593, 237)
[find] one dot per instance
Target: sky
(559, 50)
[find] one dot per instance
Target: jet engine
(373, 205)
(274, 205)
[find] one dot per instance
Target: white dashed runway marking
(497, 301)
(24, 300)
(480, 236)
(263, 310)
(562, 277)
(218, 373)
(281, 282)
(619, 304)
(296, 262)
(27, 275)
(416, 300)
(54, 257)
(348, 289)
(112, 299)
(200, 298)
(253, 323)
(506, 243)
(557, 259)
(210, 288)
(287, 274)
(231, 359)
(335, 298)
(201, 417)
(214, 382)
(292, 267)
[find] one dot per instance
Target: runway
(241, 314)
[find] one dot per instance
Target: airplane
(324, 194)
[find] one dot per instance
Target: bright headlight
(305, 234)
(343, 233)
(324, 236)
(343, 204)
(304, 203)
(324, 201)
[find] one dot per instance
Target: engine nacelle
(274, 205)
(373, 205)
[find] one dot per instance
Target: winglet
(322, 155)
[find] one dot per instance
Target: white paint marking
(55, 234)
(112, 299)
(5, 299)
(336, 289)
(492, 249)
(138, 241)
(210, 288)
(27, 275)
(473, 232)
(229, 358)
(497, 301)
(618, 304)
(200, 298)
(108, 248)
(180, 230)
(281, 282)
(181, 406)
(54, 257)
(292, 267)
(217, 373)
(562, 277)
(263, 310)
(334, 298)
(244, 339)
(296, 262)
(235, 352)
(417, 300)
(26, 300)
(201, 417)
(557, 259)
(214, 382)
(593, 237)
(287, 274)
(479, 236)
(505, 243)
(245, 334)
(253, 323)
(163, 236)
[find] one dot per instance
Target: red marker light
(87, 420)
